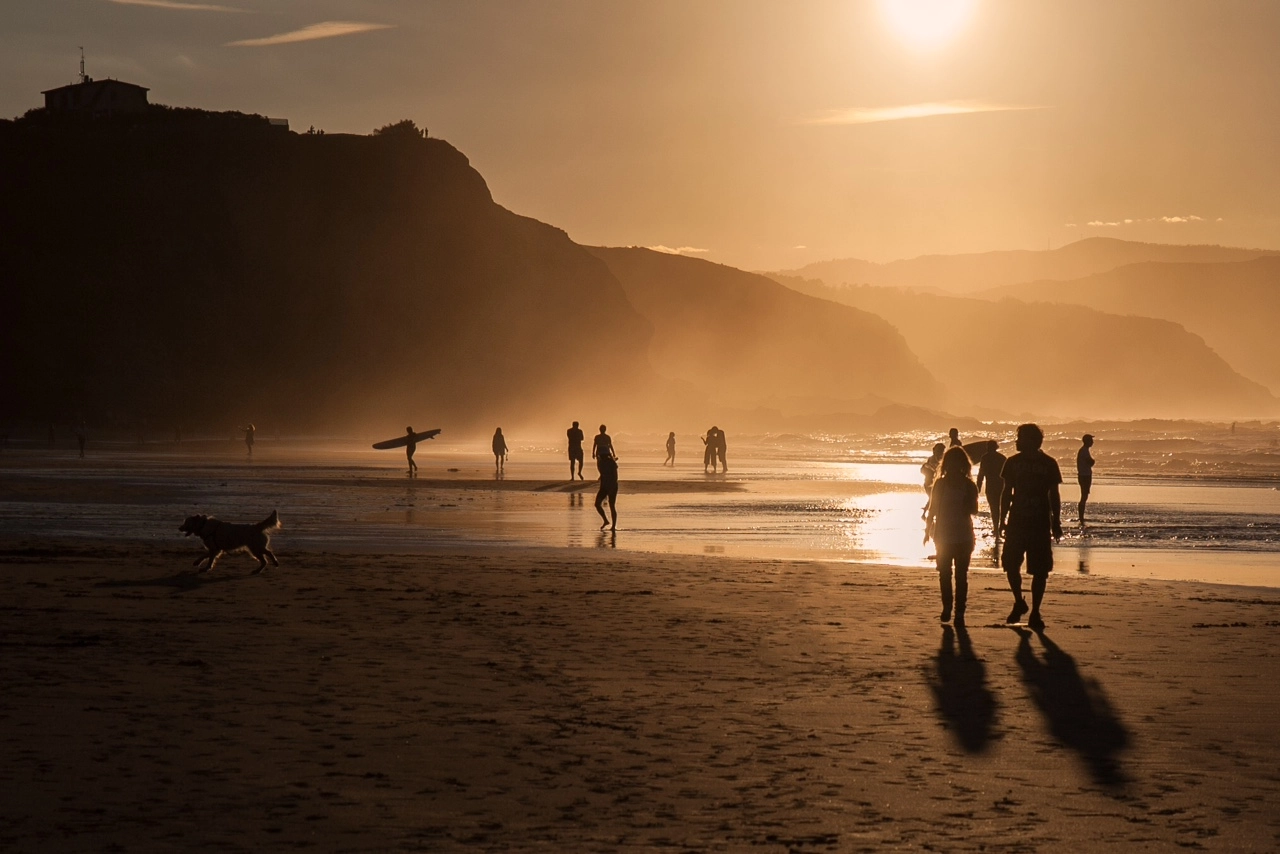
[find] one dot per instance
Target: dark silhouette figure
(576, 437)
(1084, 473)
(248, 437)
(1076, 709)
(602, 449)
(989, 468)
(952, 506)
(409, 450)
(959, 686)
(608, 465)
(1030, 513)
(929, 468)
(954, 435)
(671, 451)
(80, 440)
(709, 451)
(499, 451)
(722, 447)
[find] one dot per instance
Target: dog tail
(270, 523)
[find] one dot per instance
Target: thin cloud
(322, 30)
(176, 5)
(1170, 220)
(679, 250)
(872, 115)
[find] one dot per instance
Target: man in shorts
(575, 449)
(1084, 473)
(1030, 513)
(989, 468)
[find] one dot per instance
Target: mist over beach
(596, 427)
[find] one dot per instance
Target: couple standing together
(716, 446)
(1029, 515)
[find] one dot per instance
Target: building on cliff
(97, 97)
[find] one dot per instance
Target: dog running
(221, 537)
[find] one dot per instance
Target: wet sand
(599, 700)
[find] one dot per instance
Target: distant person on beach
(602, 449)
(408, 451)
(952, 506)
(576, 437)
(722, 447)
(248, 437)
(709, 451)
(671, 450)
(608, 465)
(1084, 473)
(989, 468)
(929, 469)
(1030, 513)
(499, 451)
(954, 434)
(80, 440)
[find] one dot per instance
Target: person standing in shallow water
(408, 451)
(576, 436)
(1030, 513)
(952, 506)
(602, 449)
(671, 450)
(989, 468)
(608, 465)
(709, 451)
(722, 447)
(248, 437)
(1084, 473)
(499, 451)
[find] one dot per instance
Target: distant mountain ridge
(967, 273)
(1234, 306)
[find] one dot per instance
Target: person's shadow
(1076, 709)
(959, 686)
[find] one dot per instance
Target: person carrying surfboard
(499, 451)
(411, 446)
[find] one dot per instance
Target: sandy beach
(572, 700)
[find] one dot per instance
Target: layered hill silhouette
(197, 268)
(1235, 307)
(966, 273)
(741, 339)
(1043, 359)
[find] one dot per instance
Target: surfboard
(977, 450)
(401, 441)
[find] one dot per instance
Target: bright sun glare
(926, 24)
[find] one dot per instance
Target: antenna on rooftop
(83, 77)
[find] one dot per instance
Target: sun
(926, 24)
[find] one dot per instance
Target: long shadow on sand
(181, 582)
(1076, 709)
(959, 686)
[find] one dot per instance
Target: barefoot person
(608, 465)
(1030, 513)
(989, 468)
(408, 451)
(671, 450)
(499, 451)
(576, 436)
(1084, 473)
(602, 449)
(952, 506)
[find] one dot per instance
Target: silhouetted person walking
(952, 506)
(722, 447)
(499, 451)
(989, 468)
(408, 451)
(248, 437)
(602, 449)
(1084, 472)
(929, 469)
(1030, 513)
(671, 451)
(576, 437)
(608, 465)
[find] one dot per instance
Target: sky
(765, 135)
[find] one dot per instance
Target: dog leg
(213, 558)
(272, 555)
(200, 560)
(262, 562)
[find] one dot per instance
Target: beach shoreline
(563, 699)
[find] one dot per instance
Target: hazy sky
(764, 134)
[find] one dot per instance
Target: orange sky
(766, 134)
